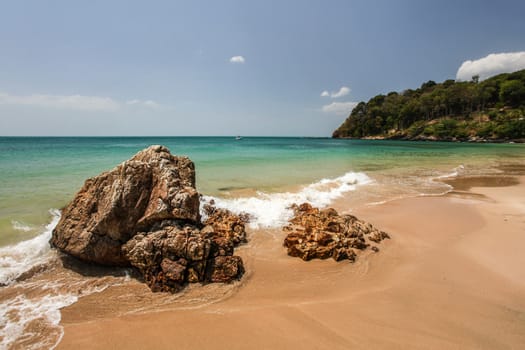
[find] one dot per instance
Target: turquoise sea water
(37, 174)
(261, 176)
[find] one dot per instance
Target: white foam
(273, 210)
(21, 257)
(20, 312)
(454, 173)
(19, 226)
(17, 313)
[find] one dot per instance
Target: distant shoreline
(432, 139)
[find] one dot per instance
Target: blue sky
(166, 68)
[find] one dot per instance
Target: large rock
(320, 234)
(145, 213)
(110, 208)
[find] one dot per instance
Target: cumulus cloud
(339, 108)
(237, 59)
(343, 91)
(75, 102)
(493, 64)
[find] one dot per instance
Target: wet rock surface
(145, 213)
(320, 234)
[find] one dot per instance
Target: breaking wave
(269, 210)
(30, 307)
(21, 257)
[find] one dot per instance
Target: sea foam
(21, 257)
(457, 171)
(18, 313)
(30, 309)
(20, 226)
(33, 319)
(270, 210)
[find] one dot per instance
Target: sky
(220, 68)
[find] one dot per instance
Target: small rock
(224, 269)
(321, 234)
(174, 270)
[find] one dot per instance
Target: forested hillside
(492, 109)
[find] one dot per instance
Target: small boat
(238, 138)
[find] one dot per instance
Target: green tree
(450, 106)
(512, 93)
(429, 84)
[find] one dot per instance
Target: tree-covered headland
(492, 110)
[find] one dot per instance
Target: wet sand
(452, 276)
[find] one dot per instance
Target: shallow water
(261, 176)
(38, 174)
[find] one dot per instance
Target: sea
(261, 176)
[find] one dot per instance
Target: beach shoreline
(449, 277)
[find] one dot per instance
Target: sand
(452, 276)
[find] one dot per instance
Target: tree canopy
(489, 109)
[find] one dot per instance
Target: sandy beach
(258, 175)
(450, 277)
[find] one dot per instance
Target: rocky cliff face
(321, 234)
(145, 213)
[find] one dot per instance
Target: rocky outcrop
(226, 225)
(320, 234)
(145, 213)
(176, 254)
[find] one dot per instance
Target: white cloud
(339, 108)
(493, 64)
(142, 103)
(237, 59)
(75, 102)
(151, 103)
(343, 91)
